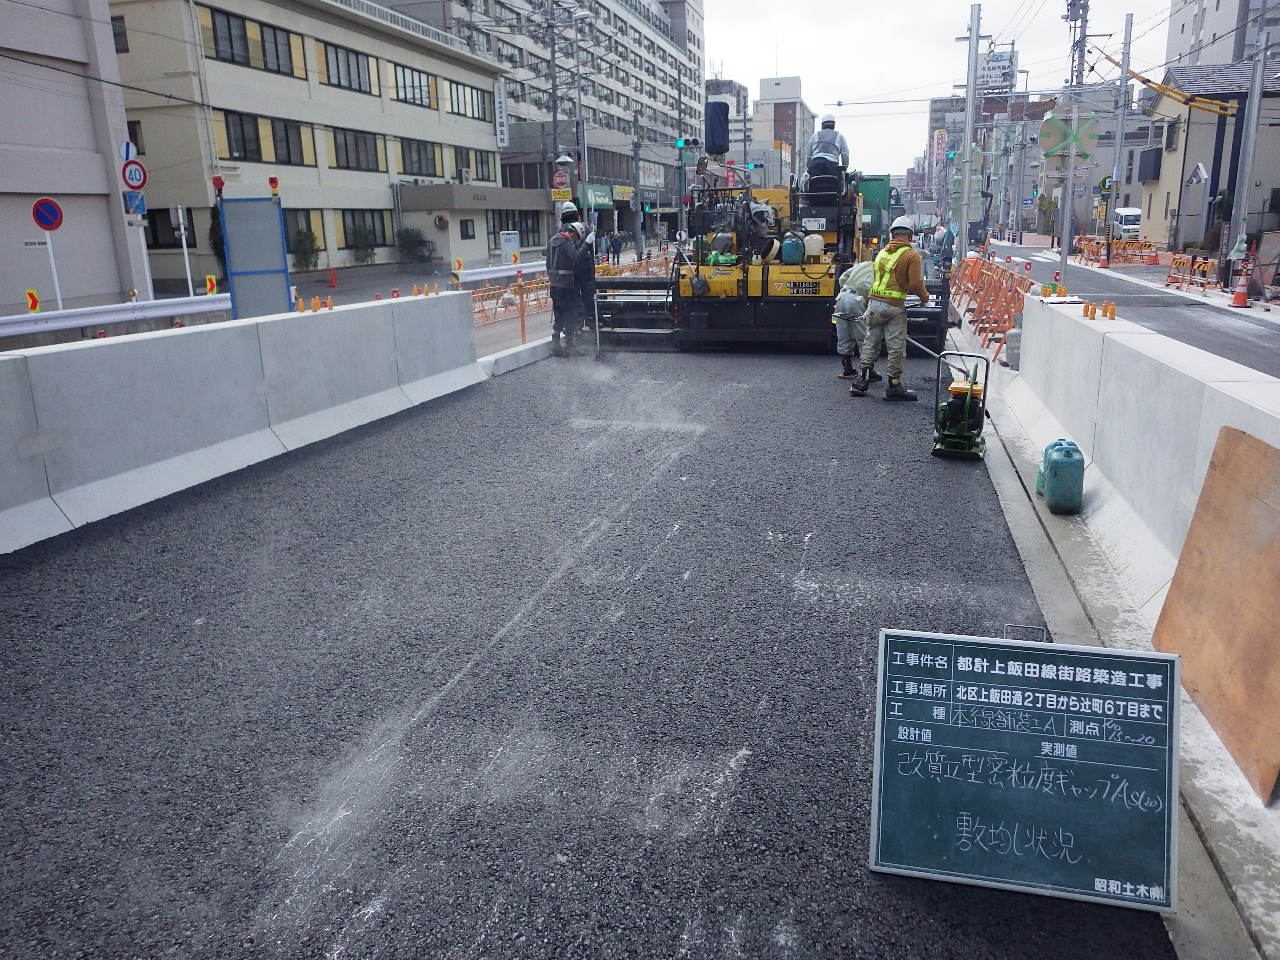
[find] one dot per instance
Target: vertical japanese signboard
(501, 122)
(1038, 767)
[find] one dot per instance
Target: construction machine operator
(898, 272)
(828, 153)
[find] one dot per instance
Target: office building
(1205, 32)
(62, 122)
(783, 122)
(361, 112)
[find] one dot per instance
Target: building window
(354, 150)
(414, 86)
(373, 222)
(120, 34)
(468, 101)
(135, 136)
(348, 69)
(289, 137)
(298, 221)
(461, 161)
(484, 165)
(162, 233)
(277, 56)
(528, 223)
(420, 158)
(242, 137)
(1166, 204)
(467, 229)
(230, 38)
(233, 39)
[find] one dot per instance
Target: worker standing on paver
(898, 272)
(566, 301)
(828, 153)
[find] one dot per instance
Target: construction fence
(988, 296)
(1094, 250)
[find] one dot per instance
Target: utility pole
(554, 66)
(970, 109)
(1022, 163)
(1068, 193)
(637, 206)
(1078, 17)
(1121, 116)
(1244, 166)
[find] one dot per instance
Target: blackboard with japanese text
(1038, 767)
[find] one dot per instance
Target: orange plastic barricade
(1179, 271)
(1204, 274)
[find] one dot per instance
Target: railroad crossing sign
(560, 179)
(134, 175)
(47, 213)
(1056, 138)
(33, 301)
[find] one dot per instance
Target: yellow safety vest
(885, 284)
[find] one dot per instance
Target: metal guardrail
(111, 313)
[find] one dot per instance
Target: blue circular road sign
(46, 213)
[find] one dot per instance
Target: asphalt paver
(576, 663)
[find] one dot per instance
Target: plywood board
(1223, 610)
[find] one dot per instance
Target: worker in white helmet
(566, 297)
(899, 271)
(827, 154)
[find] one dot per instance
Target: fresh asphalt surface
(576, 663)
(1247, 336)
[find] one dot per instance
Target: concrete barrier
(27, 512)
(329, 371)
(92, 428)
(435, 345)
(135, 418)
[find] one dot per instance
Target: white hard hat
(568, 207)
(827, 118)
(579, 228)
(903, 223)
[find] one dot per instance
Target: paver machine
(761, 266)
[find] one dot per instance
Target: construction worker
(828, 154)
(584, 280)
(898, 272)
(569, 212)
(566, 301)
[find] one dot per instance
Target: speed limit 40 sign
(134, 175)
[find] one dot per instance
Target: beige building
(62, 122)
(345, 101)
(1179, 205)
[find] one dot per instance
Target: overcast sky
(864, 50)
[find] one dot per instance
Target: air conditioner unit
(464, 175)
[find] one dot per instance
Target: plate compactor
(959, 418)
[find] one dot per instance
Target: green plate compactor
(961, 415)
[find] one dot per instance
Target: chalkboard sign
(1038, 767)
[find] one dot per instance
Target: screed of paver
(577, 663)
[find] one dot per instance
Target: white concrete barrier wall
(27, 512)
(1146, 411)
(91, 428)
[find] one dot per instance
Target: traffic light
(1035, 191)
(951, 154)
(755, 166)
(686, 142)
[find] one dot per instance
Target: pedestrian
(898, 272)
(615, 245)
(566, 303)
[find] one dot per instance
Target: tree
(306, 250)
(363, 244)
(1046, 209)
(413, 245)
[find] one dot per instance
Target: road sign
(134, 203)
(210, 284)
(47, 213)
(1028, 201)
(560, 179)
(457, 263)
(134, 175)
(1039, 767)
(1105, 183)
(35, 243)
(128, 151)
(561, 193)
(1055, 135)
(33, 301)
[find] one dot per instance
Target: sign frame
(1173, 803)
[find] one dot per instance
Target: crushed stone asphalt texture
(579, 662)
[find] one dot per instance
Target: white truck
(1126, 223)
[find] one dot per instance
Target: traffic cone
(301, 306)
(1153, 258)
(328, 303)
(1241, 296)
(333, 277)
(1103, 262)
(416, 291)
(315, 304)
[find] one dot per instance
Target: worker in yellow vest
(898, 272)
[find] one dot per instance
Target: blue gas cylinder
(792, 250)
(1064, 479)
(1044, 462)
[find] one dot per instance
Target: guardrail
(111, 313)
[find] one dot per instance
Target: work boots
(557, 346)
(860, 384)
(846, 361)
(568, 346)
(896, 391)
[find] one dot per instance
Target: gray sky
(862, 50)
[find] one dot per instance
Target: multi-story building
(783, 121)
(1216, 31)
(62, 122)
(633, 68)
(354, 107)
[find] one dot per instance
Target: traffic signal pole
(970, 110)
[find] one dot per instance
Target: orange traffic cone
(1153, 258)
(328, 303)
(1104, 263)
(315, 304)
(416, 291)
(301, 306)
(333, 277)
(1241, 297)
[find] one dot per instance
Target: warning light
(274, 184)
(218, 184)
